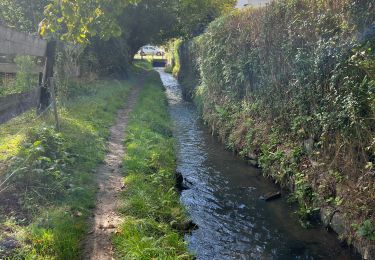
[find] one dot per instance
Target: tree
(155, 22)
(113, 30)
(78, 20)
(25, 15)
(149, 21)
(195, 15)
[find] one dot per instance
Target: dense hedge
(188, 73)
(292, 85)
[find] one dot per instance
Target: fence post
(44, 98)
(52, 87)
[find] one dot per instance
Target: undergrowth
(150, 201)
(291, 87)
(25, 80)
(49, 189)
(173, 57)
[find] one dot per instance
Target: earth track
(106, 219)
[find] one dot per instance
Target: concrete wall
(13, 42)
(16, 104)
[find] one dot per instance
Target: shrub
(306, 67)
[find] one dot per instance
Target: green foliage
(150, 201)
(141, 66)
(366, 230)
(55, 234)
(304, 195)
(151, 21)
(52, 188)
(67, 64)
(114, 30)
(106, 58)
(195, 15)
(148, 21)
(184, 66)
(25, 79)
(306, 68)
(155, 21)
(77, 21)
(236, 70)
(147, 239)
(43, 160)
(25, 15)
(173, 57)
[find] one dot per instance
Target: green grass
(150, 202)
(53, 185)
(12, 88)
(141, 65)
(149, 57)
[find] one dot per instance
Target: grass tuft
(51, 196)
(150, 201)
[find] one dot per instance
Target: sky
(241, 3)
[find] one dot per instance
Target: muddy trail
(106, 219)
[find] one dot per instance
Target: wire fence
(24, 122)
(6, 78)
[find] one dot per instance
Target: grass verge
(150, 202)
(46, 202)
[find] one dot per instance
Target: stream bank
(292, 90)
(223, 199)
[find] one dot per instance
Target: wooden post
(44, 98)
(40, 82)
(52, 89)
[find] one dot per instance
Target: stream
(223, 199)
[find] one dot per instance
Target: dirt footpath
(110, 180)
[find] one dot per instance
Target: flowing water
(223, 200)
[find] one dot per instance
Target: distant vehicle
(151, 50)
